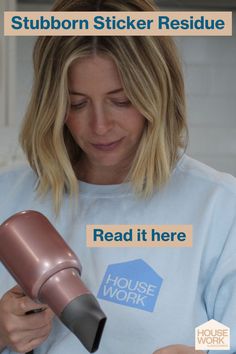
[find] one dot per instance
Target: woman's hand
(20, 331)
(178, 349)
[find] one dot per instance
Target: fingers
(19, 334)
(24, 344)
(20, 303)
(28, 323)
(34, 344)
(177, 349)
(17, 290)
(19, 330)
(37, 320)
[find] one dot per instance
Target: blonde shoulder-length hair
(152, 78)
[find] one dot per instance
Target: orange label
(139, 235)
(119, 23)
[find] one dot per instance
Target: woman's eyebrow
(115, 91)
(108, 93)
(76, 93)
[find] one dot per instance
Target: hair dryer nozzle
(84, 317)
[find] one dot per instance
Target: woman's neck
(104, 175)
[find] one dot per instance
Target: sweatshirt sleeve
(220, 293)
(8, 351)
(5, 351)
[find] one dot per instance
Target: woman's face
(101, 119)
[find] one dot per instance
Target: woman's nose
(102, 121)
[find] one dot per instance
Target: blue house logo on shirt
(133, 284)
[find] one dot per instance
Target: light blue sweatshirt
(153, 297)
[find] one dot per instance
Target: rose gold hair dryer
(48, 271)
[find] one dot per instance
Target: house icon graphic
(212, 335)
(133, 283)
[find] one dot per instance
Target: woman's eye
(76, 106)
(125, 103)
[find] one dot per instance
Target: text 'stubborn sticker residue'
(133, 284)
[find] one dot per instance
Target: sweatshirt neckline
(115, 189)
(108, 189)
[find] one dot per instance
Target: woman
(109, 112)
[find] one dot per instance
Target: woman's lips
(107, 147)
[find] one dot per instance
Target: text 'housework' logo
(133, 284)
(212, 335)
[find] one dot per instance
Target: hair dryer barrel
(49, 271)
(32, 250)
